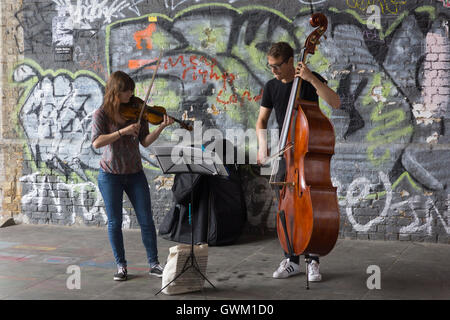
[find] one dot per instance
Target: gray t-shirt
(123, 155)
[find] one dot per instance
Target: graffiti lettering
(391, 6)
(58, 109)
(352, 200)
(63, 200)
(233, 99)
(209, 73)
(87, 11)
(422, 223)
(194, 64)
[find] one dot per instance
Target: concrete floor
(34, 261)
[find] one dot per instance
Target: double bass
(308, 211)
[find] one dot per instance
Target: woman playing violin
(121, 169)
(280, 60)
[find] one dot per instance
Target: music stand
(186, 159)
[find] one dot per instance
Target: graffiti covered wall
(388, 60)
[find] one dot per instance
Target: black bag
(219, 213)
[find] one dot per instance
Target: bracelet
(118, 131)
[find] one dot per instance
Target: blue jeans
(136, 187)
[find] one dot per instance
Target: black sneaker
(121, 274)
(156, 270)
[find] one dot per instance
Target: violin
(153, 114)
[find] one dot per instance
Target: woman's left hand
(167, 121)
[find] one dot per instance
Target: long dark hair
(118, 82)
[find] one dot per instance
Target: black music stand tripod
(183, 159)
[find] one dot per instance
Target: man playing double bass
(280, 60)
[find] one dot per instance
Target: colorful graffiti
(213, 69)
(446, 3)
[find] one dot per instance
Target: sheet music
(184, 159)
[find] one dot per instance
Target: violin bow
(150, 87)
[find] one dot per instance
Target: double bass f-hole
(298, 185)
(292, 185)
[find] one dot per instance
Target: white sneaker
(314, 272)
(286, 269)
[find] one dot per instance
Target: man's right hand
(261, 157)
